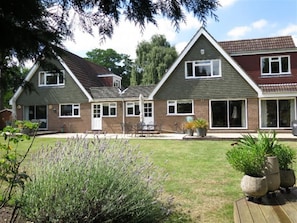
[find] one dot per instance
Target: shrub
(286, 156)
(94, 180)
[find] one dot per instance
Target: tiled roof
(263, 44)
(105, 92)
(85, 71)
(114, 92)
(279, 88)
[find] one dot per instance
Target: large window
(203, 68)
(228, 114)
(275, 65)
(175, 107)
(69, 110)
(277, 113)
(51, 79)
(109, 109)
(132, 108)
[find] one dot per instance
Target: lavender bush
(94, 180)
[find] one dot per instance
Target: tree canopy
(29, 28)
(153, 59)
(117, 63)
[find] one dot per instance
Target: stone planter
(272, 173)
(254, 187)
(201, 132)
(287, 178)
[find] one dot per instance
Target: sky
(238, 19)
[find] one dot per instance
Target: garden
(184, 181)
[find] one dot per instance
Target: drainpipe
(124, 117)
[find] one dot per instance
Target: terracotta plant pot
(254, 187)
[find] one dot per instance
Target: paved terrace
(210, 136)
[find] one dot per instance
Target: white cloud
(291, 30)
(239, 32)
(259, 24)
(226, 3)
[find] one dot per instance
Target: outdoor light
(202, 51)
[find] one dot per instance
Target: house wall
(252, 65)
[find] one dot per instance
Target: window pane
(61, 78)
(189, 69)
(137, 112)
(219, 113)
(113, 111)
(269, 113)
(237, 113)
(285, 64)
(41, 78)
(216, 67)
(265, 65)
(51, 79)
(275, 67)
(202, 70)
(171, 109)
(284, 113)
(105, 110)
(130, 111)
(184, 107)
(66, 110)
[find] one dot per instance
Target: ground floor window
(175, 107)
(69, 110)
(277, 113)
(110, 109)
(36, 113)
(228, 113)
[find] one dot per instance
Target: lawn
(200, 179)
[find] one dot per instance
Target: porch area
(281, 208)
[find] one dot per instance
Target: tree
(117, 63)
(153, 59)
(31, 27)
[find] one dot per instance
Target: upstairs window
(203, 68)
(275, 65)
(51, 78)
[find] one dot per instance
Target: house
(240, 86)
(5, 118)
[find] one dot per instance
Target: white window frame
(275, 59)
(198, 63)
(111, 105)
(175, 103)
(43, 75)
(228, 118)
(73, 109)
(132, 105)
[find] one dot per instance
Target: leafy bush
(247, 156)
(286, 156)
(94, 180)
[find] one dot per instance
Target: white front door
(148, 118)
(96, 117)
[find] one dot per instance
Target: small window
(180, 107)
(51, 79)
(132, 108)
(69, 110)
(203, 68)
(109, 109)
(275, 65)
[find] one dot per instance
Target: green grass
(199, 177)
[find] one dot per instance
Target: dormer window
(203, 68)
(47, 78)
(275, 65)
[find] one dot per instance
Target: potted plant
(189, 127)
(286, 157)
(201, 126)
(249, 158)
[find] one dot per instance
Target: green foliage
(118, 63)
(247, 159)
(286, 156)
(12, 178)
(200, 123)
(94, 180)
(153, 59)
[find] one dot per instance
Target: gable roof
(256, 45)
(203, 32)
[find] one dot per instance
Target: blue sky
(238, 19)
